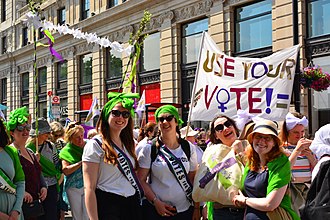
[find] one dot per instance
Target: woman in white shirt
(111, 188)
(169, 191)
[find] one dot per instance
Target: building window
(3, 90)
(25, 84)
(42, 108)
(112, 3)
(3, 45)
(62, 75)
(42, 72)
(62, 71)
(318, 17)
(25, 38)
(114, 64)
(61, 16)
(151, 53)
(85, 9)
(253, 26)
(191, 38)
(86, 69)
(3, 10)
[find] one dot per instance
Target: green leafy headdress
(126, 99)
(17, 117)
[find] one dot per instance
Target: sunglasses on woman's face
(220, 127)
(21, 127)
(117, 113)
(167, 118)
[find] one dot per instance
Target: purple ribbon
(210, 174)
(52, 50)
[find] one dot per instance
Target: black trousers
(116, 207)
(50, 204)
(150, 213)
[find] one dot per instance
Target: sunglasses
(265, 137)
(220, 127)
(167, 118)
(117, 113)
(21, 127)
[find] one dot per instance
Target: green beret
(17, 117)
(126, 99)
(168, 109)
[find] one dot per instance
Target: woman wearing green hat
(171, 172)
(35, 185)
(112, 190)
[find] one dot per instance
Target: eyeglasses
(220, 127)
(21, 128)
(117, 113)
(167, 118)
(265, 137)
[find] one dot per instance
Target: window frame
(60, 19)
(82, 67)
(3, 45)
(141, 66)
(85, 11)
(25, 36)
(3, 11)
(109, 74)
(237, 50)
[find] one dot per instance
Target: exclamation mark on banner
(269, 93)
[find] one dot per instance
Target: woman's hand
(27, 197)
(43, 193)
(164, 209)
(3, 216)
(239, 200)
(197, 214)
(13, 215)
(303, 144)
(238, 146)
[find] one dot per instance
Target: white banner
(224, 84)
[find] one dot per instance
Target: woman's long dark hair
(126, 136)
(4, 138)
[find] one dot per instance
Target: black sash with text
(126, 167)
(176, 167)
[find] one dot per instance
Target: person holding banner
(224, 139)
(170, 163)
(71, 156)
(297, 149)
(266, 176)
(50, 165)
(112, 189)
(12, 179)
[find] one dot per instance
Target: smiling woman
(170, 162)
(224, 138)
(266, 175)
(112, 190)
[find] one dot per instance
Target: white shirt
(140, 145)
(110, 179)
(317, 166)
(164, 183)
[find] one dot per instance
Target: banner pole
(195, 84)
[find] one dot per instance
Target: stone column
(98, 70)
(73, 96)
(169, 67)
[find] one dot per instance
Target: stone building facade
(169, 58)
